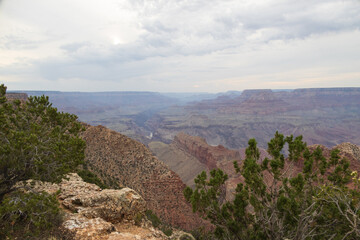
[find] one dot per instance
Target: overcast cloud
(179, 45)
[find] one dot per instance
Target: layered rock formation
(323, 116)
(190, 155)
(208, 155)
(110, 153)
(256, 103)
(265, 101)
(317, 98)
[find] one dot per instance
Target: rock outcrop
(110, 153)
(90, 201)
(93, 213)
(350, 149)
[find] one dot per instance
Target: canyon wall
(133, 165)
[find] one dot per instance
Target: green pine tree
(36, 142)
(275, 203)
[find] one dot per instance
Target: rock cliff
(208, 155)
(190, 155)
(257, 103)
(110, 153)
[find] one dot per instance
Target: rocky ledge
(93, 213)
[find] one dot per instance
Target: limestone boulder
(91, 201)
(74, 185)
(112, 205)
(93, 214)
(85, 228)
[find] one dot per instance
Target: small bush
(90, 177)
(112, 183)
(138, 219)
(153, 218)
(29, 215)
(185, 237)
(200, 234)
(167, 230)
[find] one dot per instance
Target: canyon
(327, 116)
(156, 144)
(323, 116)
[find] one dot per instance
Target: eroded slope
(133, 165)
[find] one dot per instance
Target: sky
(179, 45)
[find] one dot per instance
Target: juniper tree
(36, 141)
(276, 201)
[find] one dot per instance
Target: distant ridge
(16, 95)
(326, 116)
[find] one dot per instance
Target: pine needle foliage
(276, 202)
(36, 141)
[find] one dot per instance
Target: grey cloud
(198, 27)
(73, 47)
(13, 42)
(93, 70)
(181, 29)
(202, 27)
(158, 27)
(299, 20)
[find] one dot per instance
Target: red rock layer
(265, 101)
(208, 155)
(261, 103)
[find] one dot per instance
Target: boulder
(96, 214)
(111, 205)
(90, 201)
(85, 228)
